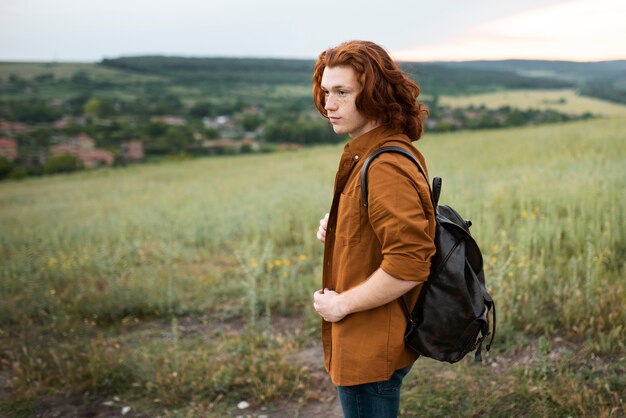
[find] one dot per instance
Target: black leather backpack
(450, 318)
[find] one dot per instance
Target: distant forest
(606, 80)
(225, 73)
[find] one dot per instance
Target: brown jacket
(396, 233)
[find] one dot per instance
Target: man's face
(341, 88)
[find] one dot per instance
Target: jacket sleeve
(398, 215)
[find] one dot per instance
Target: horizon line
(400, 60)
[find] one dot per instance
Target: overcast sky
(84, 30)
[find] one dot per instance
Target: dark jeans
(373, 400)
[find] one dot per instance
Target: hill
(233, 72)
(576, 71)
(604, 79)
(252, 77)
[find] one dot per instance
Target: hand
(321, 232)
(328, 304)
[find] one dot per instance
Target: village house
(132, 151)
(231, 146)
(83, 147)
(58, 103)
(171, 120)
(254, 109)
(8, 148)
(218, 146)
(288, 147)
(67, 121)
(249, 144)
(13, 128)
(218, 122)
(83, 142)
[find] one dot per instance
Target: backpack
(450, 318)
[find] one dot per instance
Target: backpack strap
(434, 193)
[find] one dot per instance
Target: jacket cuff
(406, 268)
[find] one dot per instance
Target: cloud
(580, 30)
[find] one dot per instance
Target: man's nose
(330, 104)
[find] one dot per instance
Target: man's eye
(341, 93)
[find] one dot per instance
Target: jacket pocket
(349, 220)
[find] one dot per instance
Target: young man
(374, 255)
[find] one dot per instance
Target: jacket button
(356, 158)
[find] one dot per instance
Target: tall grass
(548, 209)
(86, 254)
(110, 242)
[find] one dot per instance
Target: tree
(166, 104)
(250, 121)
(17, 84)
(201, 110)
(32, 111)
(155, 129)
(176, 138)
(81, 79)
(92, 108)
(211, 133)
(98, 108)
(45, 77)
(304, 130)
(37, 139)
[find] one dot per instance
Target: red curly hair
(388, 95)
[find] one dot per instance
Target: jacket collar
(360, 147)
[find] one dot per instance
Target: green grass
(30, 70)
(565, 101)
(100, 270)
(538, 380)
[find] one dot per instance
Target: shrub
(64, 163)
(17, 173)
(6, 167)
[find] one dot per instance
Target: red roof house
(132, 151)
(83, 147)
(8, 148)
(13, 127)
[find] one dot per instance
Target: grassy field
(565, 101)
(30, 70)
(183, 288)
